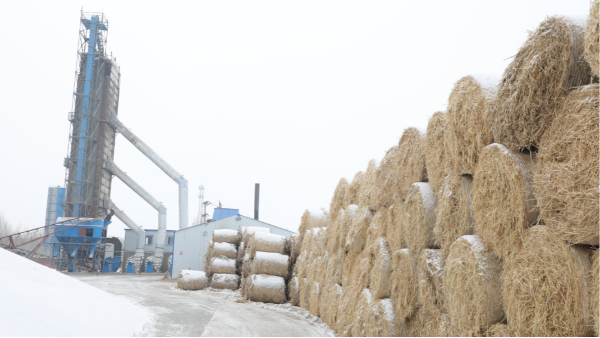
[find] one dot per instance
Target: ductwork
(164, 166)
(162, 211)
(139, 249)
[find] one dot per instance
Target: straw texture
(453, 213)
(419, 215)
(404, 289)
(596, 293)
(436, 158)
(192, 280)
(379, 279)
(224, 281)
(430, 274)
(338, 201)
(388, 182)
(411, 163)
(266, 289)
(381, 322)
(269, 263)
(395, 226)
(592, 33)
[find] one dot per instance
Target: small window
(148, 240)
(170, 240)
(89, 232)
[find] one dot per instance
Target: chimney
(256, 195)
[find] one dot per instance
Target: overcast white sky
(291, 95)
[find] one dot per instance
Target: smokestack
(256, 195)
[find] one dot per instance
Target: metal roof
(224, 212)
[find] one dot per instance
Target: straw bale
(429, 324)
(192, 280)
(294, 291)
(338, 201)
(266, 242)
(411, 165)
(248, 231)
(362, 312)
(542, 72)
(304, 293)
(469, 121)
(352, 192)
(379, 279)
(546, 286)
(348, 261)
(226, 236)
(453, 213)
(346, 315)
(386, 191)
(378, 225)
(503, 203)
(270, 263)
(566, 174)
(315, 293)
(361, 270)
(266, 289)
(357, 234)
(500, 330)
(472, 288)
(436, 158)
(419, 218)
(337, 239)
(404, 288)
(367, 194)
(224, 249)
(430, 274)
(394, 226)
(381, 319)
(329, 304)
(333, 231)
(312, 219)
(247, 265)
(222, 265)
(334, 270)
(225, 281)
(296, 247)
(592, 33)
(596, 292)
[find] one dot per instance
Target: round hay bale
(348, 261)
(436, 158)
(357, 235)
(566, 174)
(472, 288)
(503, 203)
(266, 289)
(430, 274)
(387, 179)
(270, 263)
(346, 315)
(315, 293)
(381, 320)
(367, 194)
(248, 231)
(394, 226)
(411, 165)
(296, 248)
(596, 291)
(419, 216)
(338, 201)
(208, 257)
(362, 313)
(192, 280)
(222, 266)
(225, 281)
(379, 279)
(266, 242)
(352, 192)
(469, 121)
(529, 91)
(334, 270)
(337, 239)
(329, 304)
(378, 224)
(499, 330)
(453, 213)
(224, 249)
(333, 231)
(312, 219)
(304, 293)
(429, 324)
(546, 287)
(294, 291)
(247, 266)
(226, 236)
(405, 292)
(592, 33)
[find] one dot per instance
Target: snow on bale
(453, 213)
(411, 164)
(472, 287)
(351, 195)
(333, 271)
(394, 228)
(436, 158)
(315, 293)
(226, 236)
(430, 274)
(192, 280)
(329, 304)
(362, 313)
(546, 286)
(503, 203)
(381, 321)
(419, 218)
(542, 72)
(247, 231)
(224, 249)
(222, 265)
(338, 201)
(357, 234)
(387, 179)
(294, 291)
(368, 187)
(266, 289)
(266, 242)
(468, 129)
(312, 219)
(247, 265)
(337, 236)
(270, 263)
(404, 287)
(225, 281)
(596, 292)
(379, 279)
(566, 174)
(345, 312)
(592, 34)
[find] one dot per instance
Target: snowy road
(206, 313)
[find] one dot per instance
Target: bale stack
(352, 192)
(192, 280)
(411, 163)
(436, 158)
(453, 217)
(220, 261)
(386, 191)
(419, 214)
(430, 274)
(367, 194)
(592, 33)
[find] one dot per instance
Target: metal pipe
(139, 251)
(162, 210)
(162, 164)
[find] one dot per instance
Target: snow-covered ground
(38, 301)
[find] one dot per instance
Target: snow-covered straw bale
(338, 201)
(395, 225)
(294, 291)
(225, 281)
(247, 265)
(352, 191)
(468, 127)
(224, 249)
(340, 227)
(304, 293)
(312, 219)
(419, 216)
(543, 71)
(388, 179)
(436, 158)
(270, 263)
(379, 279)
(222, 265)
(356, 237)
(362, 313)
(592, 34)
(453, 213)
(334, 265)
(368, 187)
(266, 242)
(430, 275)
(472, 287)
(329, 304)
(382, 319)
(546, 287)
(411, 163)
(226, 235)
(245, 232)
(266, 289)
(315, 293)
(192, 280)
(503, 203)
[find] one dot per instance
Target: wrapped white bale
(266, 289)
(226, 236)
(222, 265)
(248, 231)
(294, 291)
(247, 266)
(224, 249)
(225, 281)
(270, 263)
(192, 280)
(266, 242)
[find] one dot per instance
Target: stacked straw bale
(352, 193)
(192, 280)
(419, 218)
(362, 312)
(453, 213)
(379, 279)
(382, 320)
(221, 260)
(436, 158)
(404, 287)
(270, 263)
(224, 249)
(222, 265)
(567, 172)
(338, 201)
(472, 288)
(312, 219)
(245, 232)
(367, 196)
(546, 67)
(386, 190)
(547, 287)
(266, 289)
(329, 304)
(294, 291)
(592, 33)
(315, 293)
(411, 163)
(229, 281)
(430, 274)
(226, 236)
(468, 121)
(394, 228)
(357, 235)
(266, 242)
